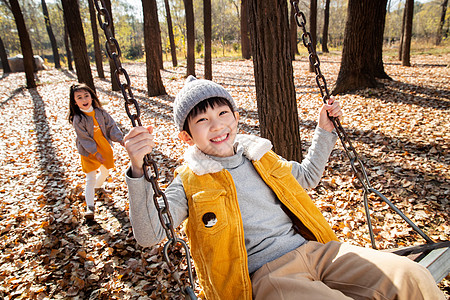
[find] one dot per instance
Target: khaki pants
(342, 271)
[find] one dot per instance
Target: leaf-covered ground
(48, 251)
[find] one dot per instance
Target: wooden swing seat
(434, 256)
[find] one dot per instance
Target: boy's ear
(186, 137)
(236, 115)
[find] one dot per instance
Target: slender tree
(173, 46)
(25, 43)
(409, 8)
(402, 35)
(293, 34)
(190, 32)
(326, 22)
(275, 92)
(4, 58)
(359, 63)
(245, 40)
(66, 41)
(78, 42)
(313, 26)
(97, 50)
(67, 45)
(48, 26)
(441, 22)
(155, 86)
(207, 32)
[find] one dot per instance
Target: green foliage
(134, 52)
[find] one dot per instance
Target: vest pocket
(208, 211)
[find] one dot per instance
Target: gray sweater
(268, 230)
(84, 128)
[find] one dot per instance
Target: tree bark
(441, 22)
(402, 34)
(97, 50)
(409, 8)
(359, 55)
(207, 31)
(155, 86)
(380, 22)
(4, 58)
(67, 45)
(326, 22)
(51, 36)
(25, 44)
(78, 42)
(293, 34)
(190, 29)
(173, 47)
(275, 92)
(245, 39)
(313, 27)
(157, 35)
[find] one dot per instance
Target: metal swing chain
(165, 217)
(356, 164)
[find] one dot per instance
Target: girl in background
(96, 130)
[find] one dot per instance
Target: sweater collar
(90, 109)
(254, 148)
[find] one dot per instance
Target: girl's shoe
(89, 215)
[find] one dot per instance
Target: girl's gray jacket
(84, 128)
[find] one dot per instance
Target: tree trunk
(207, 30)
(441, 22)
(409, 8)
(245, 40)
(67, 45)
(157, 35)
(112, 67)
(380, 22)
(402, 34)
(4, 58)
(190, 29)
(25, 44)
(173, 47)
(359, 58)
(97, 50)
(155, 86)
(293, 34)
(313, 27)
(275, 92)
(51, 36)
(78, 42)
(326, 22)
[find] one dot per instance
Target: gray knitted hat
(195, 91)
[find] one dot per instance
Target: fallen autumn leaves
(401, 132)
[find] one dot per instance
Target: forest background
(49, 252)
(128, 24)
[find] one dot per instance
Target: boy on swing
(254, 232)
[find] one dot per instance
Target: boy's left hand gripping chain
(114, 53)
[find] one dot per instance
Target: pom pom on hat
(195, 91)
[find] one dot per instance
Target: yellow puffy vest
(218, 249)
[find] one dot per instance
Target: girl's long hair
(73, 107)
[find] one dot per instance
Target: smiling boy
(254, 231)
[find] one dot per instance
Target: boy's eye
(223, 112)
(200, 120)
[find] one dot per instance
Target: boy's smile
(213, 131)
(83, 99)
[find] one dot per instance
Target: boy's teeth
(219, 139)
